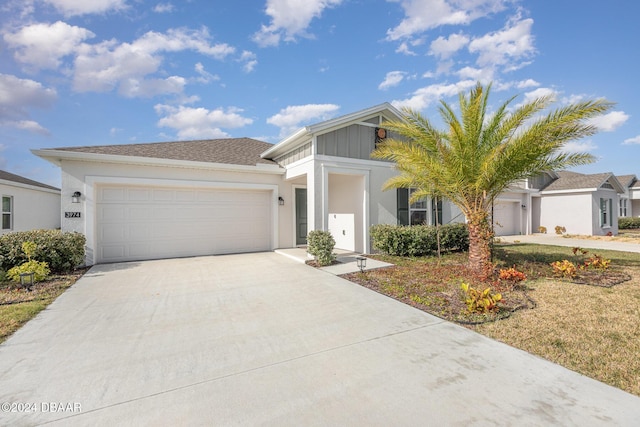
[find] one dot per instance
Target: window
(7, 212)
(606, 206)
(623, 207)
(414, 213)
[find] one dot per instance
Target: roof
(232, 151)
(578, 181)
(301, 135)
(626, 180)
(7, 176)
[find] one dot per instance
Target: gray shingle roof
(7, 176)
(626, 180)
(575, 181)
(234, 151)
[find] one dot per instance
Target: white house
(171, 199)
(629, 203)
(28, 204)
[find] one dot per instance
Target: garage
(506, 216)
(146, 222)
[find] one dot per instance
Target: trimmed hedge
(628, 222)
(419, 240)
(62, 251)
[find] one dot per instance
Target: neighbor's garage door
(506, 218)
(139, 223)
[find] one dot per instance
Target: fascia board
(56, 157)
(28, 186)
(573, 190)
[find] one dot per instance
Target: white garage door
(139, 223)
(506, 219)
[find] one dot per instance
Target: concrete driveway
(259, 339)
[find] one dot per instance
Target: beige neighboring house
(188, 198)
(28, 204)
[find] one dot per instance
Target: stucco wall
(604, 193)
(83, 176)
(572, 211)
(32, 208)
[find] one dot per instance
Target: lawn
(592, 327)
(18, 306)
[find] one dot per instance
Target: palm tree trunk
(480, 236)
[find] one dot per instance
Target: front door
(301, 216)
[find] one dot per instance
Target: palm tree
(479, 154)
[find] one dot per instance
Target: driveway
(259, 339)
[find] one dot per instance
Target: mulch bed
(12, 293)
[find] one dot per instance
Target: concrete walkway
(556, 240)
(347, 260)
(260, 339)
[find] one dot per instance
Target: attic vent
(381, 135)
(607, 185)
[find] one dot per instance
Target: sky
(102, 72)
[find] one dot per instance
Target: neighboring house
(187, 198)
(629, 203)
(28, 204)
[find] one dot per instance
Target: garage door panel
(505, 218)
(137, 223)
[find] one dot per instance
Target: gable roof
(231, 151)
(626, 180)
(7, 176)
(568, 180)
(302, 135)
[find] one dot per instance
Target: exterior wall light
(361, 262)
(523, 206)
(280, 201)
(75, 197)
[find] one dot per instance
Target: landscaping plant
(481, 150)
(40, 270)
(480, 301)
(320, 244)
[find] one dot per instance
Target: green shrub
(419, 240)
(61, 251)
(320, 244)
(628, 222)
(39, 269)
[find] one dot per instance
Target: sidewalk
(556, 240)
(346, 259)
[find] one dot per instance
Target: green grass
(594, 330)
(18, 306)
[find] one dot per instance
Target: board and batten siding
(294, 155)
(355, 142)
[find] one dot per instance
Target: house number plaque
(72, 214)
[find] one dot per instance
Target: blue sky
(94, 72)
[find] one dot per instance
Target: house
(629, 203)
(28, 204)
(187, 198)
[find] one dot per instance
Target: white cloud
(444, 48)
(293, 117)
(524, 84)
(83, 7)
(425, 96)
(249, 59)
(539, 93)
(393, 78)
(507, 47)
(632, 141)
(290, 19)
(610, 121)
(478, 74)
(108, 65)
(163, 8)
(29, 126)
(195, 123)
(205, 76)
(423, 15)
(17, 97)
(579, 147)
(44, 45)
